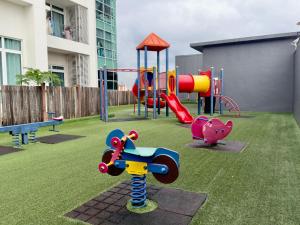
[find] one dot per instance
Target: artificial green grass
(258, 186)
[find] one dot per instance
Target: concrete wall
(25, 20)
(297, 86)
(189, 63)
(17, 21)
(258, 75)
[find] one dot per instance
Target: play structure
(138, 161)
(210, 130)
(155, 89)
(28, 130)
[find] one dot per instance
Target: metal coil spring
(32, 137)
(138, 191)
(16, 140)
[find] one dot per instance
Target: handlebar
(118, 144)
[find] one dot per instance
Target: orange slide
(180, 110)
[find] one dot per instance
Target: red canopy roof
(153, 43)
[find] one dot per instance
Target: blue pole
(177, 79)
(105, 95)
(139, 80)
(221, 90)
(199, 103)
(100, 72)
(199, 99)
(146, 82)
(158, 82)
(154, 92)
(167, 72)
(212, 91)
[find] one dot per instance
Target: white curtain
(58, 24)
(1, 79)
(12, 44)
(13, 63)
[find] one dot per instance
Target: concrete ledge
(201, 45)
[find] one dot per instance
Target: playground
(242, 188)
(163, 160)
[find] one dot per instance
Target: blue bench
(29, 129)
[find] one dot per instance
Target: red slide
(180, 110)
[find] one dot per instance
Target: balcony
(22, 2)
(67, 20)
(61, 45)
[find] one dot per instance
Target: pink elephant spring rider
(210, 131)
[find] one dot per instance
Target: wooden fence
(23, 104)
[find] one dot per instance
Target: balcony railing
(69, 23)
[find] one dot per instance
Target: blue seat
(141, 151)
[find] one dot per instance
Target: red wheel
(135, 135)
(116, 142)
(103, 168)
(112, 169)
(173, 172)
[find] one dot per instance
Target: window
(57, 20)
(107, 10)
(57, 24)
(108, 53)
(99, 15)
(107, 36)
(115, 76)
(13, 66)
(112, 82)
(100, 42)
(12, 44)
(107, 18)
(110, 76)
(60, 72)
(99, 6)
(104, 11)
(110, 85)
(101, 52)
(108, 45)
(1, 79)
(10, 60)
(114, 54)
(100, 33)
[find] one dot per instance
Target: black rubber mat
(58, 138)
(175, 207)
(227, 146)
(7, 150)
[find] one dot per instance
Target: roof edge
(199, 46)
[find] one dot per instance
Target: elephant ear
(229, 124)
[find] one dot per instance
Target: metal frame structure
(156, 87)
(103, 95)
(156, 76)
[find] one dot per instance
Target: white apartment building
(54, 35)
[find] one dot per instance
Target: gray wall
(189, 63)
(297, 86)
(258, 75)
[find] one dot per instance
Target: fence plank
(23, 104)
